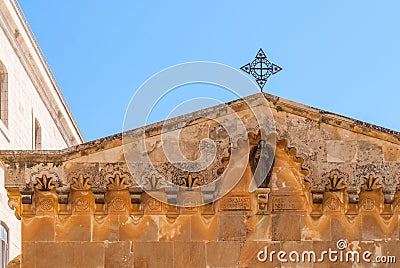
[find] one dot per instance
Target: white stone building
(33, 112)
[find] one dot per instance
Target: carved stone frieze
(81, 183)
(334, 179)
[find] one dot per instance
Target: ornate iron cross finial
(261, 68)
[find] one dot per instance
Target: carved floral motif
(335, 179)
(44, 183)
(46, 204)
(81, 183)
(82, 204)
(117, 182)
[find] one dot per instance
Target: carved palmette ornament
(81, 183)
(335, 179)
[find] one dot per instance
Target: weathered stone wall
(333, 179)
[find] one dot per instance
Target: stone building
(330, 199)
(33, 112)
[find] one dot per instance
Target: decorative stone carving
(261, 159)
(262, 200)
(44, 183)
(368, 204)
(114, 175)
(82, 204)
(14, 202)
(117, 204)
(332, 203)
(81, 183)
(117, 183)
(154, 205)
(335, 179)
(188, 182)
(371, 183)
(235, 203)
(46, 204)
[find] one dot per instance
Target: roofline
(275, 102)
(66, 131)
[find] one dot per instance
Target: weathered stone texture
(332, 179)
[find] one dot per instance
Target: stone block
(38, 228)
(174, 228)
(153, 254)
(369, 152)
(330, 132)
(138, 228)
(345, 227)
(316, 228)
(259, 228)
(118, 254)
(299, 247)
(250, 250)
(73, 228)
(203, 228)
(28, 259)
(87, 254)
(339, 151)
(223, 254)
(232, 228)
(391, 153)
(189, 254)
(377, 227)
(53, 254)
(286, 227)
(105, 227)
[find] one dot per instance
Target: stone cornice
(275, 102)
(21, 38)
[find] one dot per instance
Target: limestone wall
(333, 180)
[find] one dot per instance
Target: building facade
(331, 197)
(33, 112)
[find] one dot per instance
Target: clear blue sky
(341, 56)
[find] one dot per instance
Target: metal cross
(261, 68)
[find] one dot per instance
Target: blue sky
(341, 56)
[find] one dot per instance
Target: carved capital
(14, 201)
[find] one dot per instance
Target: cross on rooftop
(261, 68)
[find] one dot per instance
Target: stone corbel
(262, 195)
(172, 194)
(208, 193)
(26, 194)
(317, 195)
(63, 194)
(136, 193)
(99, 194)
(172, 200)
(354, 194)
(388, 193)
(14, 201)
